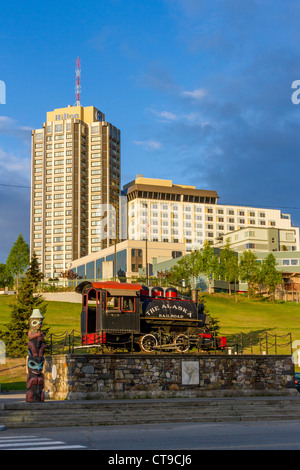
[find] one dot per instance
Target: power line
(15, 186)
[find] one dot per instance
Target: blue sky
(201, 91)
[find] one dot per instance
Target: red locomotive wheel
(148, 342)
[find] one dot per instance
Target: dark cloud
(241, 137)
(14, 217)
(14, 184)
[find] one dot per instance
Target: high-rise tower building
(75, 187)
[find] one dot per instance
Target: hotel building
(75, 187)
(183, 214)
(176, 219)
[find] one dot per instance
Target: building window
(58, 127)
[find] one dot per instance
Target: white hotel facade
(183, 214)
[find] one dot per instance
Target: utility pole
(147, 273)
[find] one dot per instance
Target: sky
(201, 91)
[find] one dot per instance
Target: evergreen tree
(213, 321)
(15, 334)
(34, 272)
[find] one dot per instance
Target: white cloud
(196, 94)
(148, 144)
(16, 167)
(10, 127)
(7, 123)
(165, 115)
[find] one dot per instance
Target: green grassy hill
(262, 325)
(252, 315)
(60, 317)
(246, 317)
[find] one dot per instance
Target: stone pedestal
(109, 376)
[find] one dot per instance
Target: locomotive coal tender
(133, 316)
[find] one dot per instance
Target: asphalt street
(267, 435)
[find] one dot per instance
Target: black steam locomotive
(118, 314)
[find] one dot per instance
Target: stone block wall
(110, 376)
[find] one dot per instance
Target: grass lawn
(245, 316)
(254, 318)
(253, 315)
(13, 374)
(60, 316)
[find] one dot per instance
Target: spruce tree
(34, 272)
(15, 334)
(214, 326)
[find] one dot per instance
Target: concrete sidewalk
(13, 397)
(20, 397)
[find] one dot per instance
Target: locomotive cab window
(128, 304)
(112, 304)
(91, 319)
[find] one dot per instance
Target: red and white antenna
(78, 87)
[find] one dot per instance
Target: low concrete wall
(163, 375)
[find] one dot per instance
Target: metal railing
(70, 343)
(263, 343)
(242, 343)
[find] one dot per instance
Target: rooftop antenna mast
(78, 87)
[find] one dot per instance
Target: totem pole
(35, 359)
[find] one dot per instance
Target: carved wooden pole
(35, 359)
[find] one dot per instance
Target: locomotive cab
(108, 308)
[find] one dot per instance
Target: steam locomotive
(117, 314)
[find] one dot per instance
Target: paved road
(283, 435)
